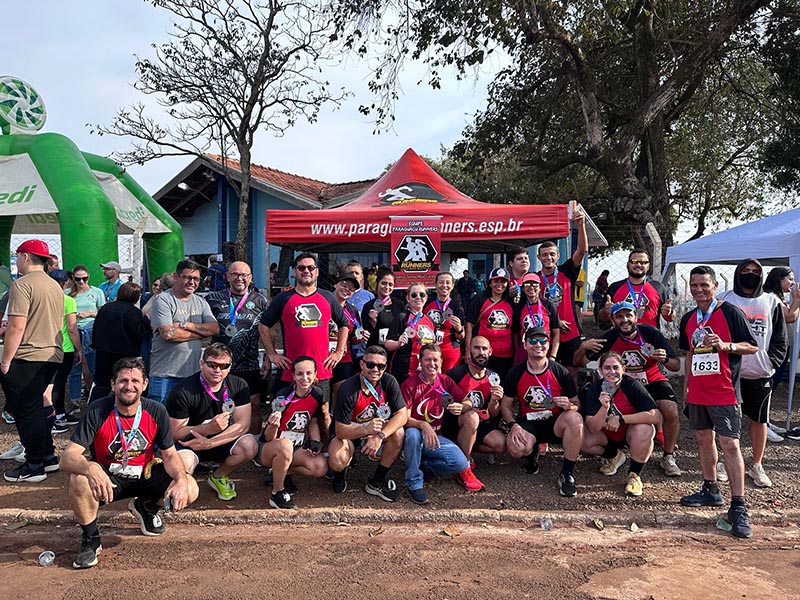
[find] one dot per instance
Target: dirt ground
(369, 561)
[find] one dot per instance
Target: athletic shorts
(149, 489)
(725, 420)
(216, 454)
(661, 390)
(756, 396)
(342, 371)
(566, 350)
(485, 428)
(542, 430)
(255, 383)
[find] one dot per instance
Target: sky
(79, 56)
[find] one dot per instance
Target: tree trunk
(244, 204)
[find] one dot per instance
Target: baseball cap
(351, 278)
(37, 247)
(536, 332)
(498, 273)
(111, 265)
(60, 275)
(624, 305)
(532, 277)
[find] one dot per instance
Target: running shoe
(147, 513)
(773, 436)
(759, 477)
(23, 474)
(740, 521)
(225, 488)
(704, 497)
(669, 466)
(722, 474)
(419, 496)
(385, 490)
(281, 499)
(633, 486)
(566, 485)
(339, 482)
(8, 418)
(613, 464)
(90, 550)
(469, 481)
(13, 452)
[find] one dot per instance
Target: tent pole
(794, 264)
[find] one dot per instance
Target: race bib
(641, 377)
(332, 346)
(540, 415)
(129, 472)
(382, 333)
(439, 337)
(295, 437)
(705, 364)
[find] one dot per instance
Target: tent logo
(410, 192)
(23, 195)
(307, 315)
(416, 254)
(21, 107)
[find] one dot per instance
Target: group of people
(380, 376)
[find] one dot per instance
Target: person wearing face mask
(765, 316)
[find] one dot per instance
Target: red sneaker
(659, 439)
(543, 448)
(469, 481)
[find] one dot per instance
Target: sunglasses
(639, 261)
(418, 295)
(530, 284)
(373, 365)
(537, 340)
(240, 275)
(309, 268)
(81, 278)
(212, 364)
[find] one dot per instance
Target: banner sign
(22, 191)
(416, 246)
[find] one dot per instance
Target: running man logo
(498, 319)
(476, 398)
(137, 446)
(633, 360)
(308, 315)
(410, 192)
(536, 397)
(532, 321)
(554, 293)
(369, 413)
(298, 421)
(416, 254)
(425, 335)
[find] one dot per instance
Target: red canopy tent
(412, 188)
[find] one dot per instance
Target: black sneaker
(385, 490)
(58, 428)
(281, 499)
(23, 473)
(149, 519)
(68, 420)
(289, 486)
(51, 465)
(566, 485)
(87, 557)
(419, 496)
(531, 465)
(704, 497)
(740, 521)
(339, 482)
(793, 434)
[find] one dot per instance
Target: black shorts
(541, 430)
(342, 371)
(216, 454)
(566, 350)
(661, 390)
(756, 397)
(255, 383)
(150, 489)
(485, 428)
(725, 420)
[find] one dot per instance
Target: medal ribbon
(234, 311)
(552, 288)
(636, 297)
(413, 320)
(538, 312)
(703, 318)
(375, 393)
(351, 315)
(225, 396)
(126, 442)
(547, 387)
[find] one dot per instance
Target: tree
(231, 69)
(598, 93)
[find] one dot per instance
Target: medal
(648, 350)
(230, 330)
(698, 336)
(410, 332)
(639, 312)
(359, 334)
(447, 313)
(124, 460)
(378, 306)
(548, 402)
(227, 407)
(609, 387)
(494, 378)
(447, 399)
(279, 404)
(384, 412)
(126, 442)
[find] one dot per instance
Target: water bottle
(46, 558)
(546, 523)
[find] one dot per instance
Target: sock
(567, 466)
(90, 530)
(711, 486)
(49, 415)
(738, 501)
(636, 467)
(380, 473)
(609, 452)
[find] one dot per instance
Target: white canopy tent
(773, 240)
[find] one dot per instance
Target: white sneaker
(759, 477)
(722, 474)
(13, 452)
(776, 428)
(20, 458)
(669, 466)
(773, 437)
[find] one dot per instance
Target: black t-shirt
(637, 398)
(382, 322)
(188, 399)
(648, 298)
(245, 340)
(353, 405)
(98, 432)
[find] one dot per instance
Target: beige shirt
(40, 299)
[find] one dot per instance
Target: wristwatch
(381, 435)
(621, 419)
(732, 348)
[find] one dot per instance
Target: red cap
(532, 277)
(37, 247)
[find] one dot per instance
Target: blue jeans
(76, 373)
(448, 458)
(160, 387)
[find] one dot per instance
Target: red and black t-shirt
(297, 415)
(405, 361)
(558, 289)
(493, 320)
(305, 324)
(98, 432)
(534, 391)
(445, 333)
(425, 400)
(353, 323)
(638, 366)
(714, 384)
(478, 390)
(540, 314)
(647, 297)
(355, 405)
(629, 399)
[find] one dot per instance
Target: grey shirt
(176, 359)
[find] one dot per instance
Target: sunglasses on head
(537, 340)
(212, 364)
(309, 268)
(639, 261)
(373, 365)
(81, 278)
(417, 295)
